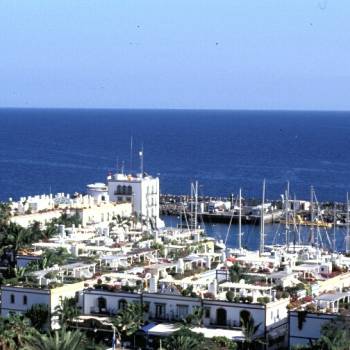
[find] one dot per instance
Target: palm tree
(38, 315)
(194, 319)
(13, 332)
(14, 237)
(128, 320)
(5, 213)
(66, 311)
(185, 339)
(59, 340)
(249, 329)
(35, 231)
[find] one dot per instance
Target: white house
(172, 307)
(141, 190)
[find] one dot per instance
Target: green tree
(195, 318)
(59, 340)
(185, 339)
(250, 329)
(5, 213)
(235, 272)
(230, 295)
(66, 311)
(128, 320)
(224, 343)
(13, 332)
(38, 315)
(336, 334)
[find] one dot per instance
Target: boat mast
(287, 214)
(240, 221)
(347, 241)
(296, 229)
(334, 224)
(195, 204)
(262, 223)
(312, 228)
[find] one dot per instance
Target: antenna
(262, 223)
(131, 145)
(117, 164)
(122, 169)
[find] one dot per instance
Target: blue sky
(227, 54)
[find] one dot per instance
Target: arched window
(122, 304)
(25, 300)
(12, 298)
(102, 304)
(221, 317)
(244, 316)
(129, 190)
(119, 189)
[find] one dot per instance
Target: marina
(120, 251)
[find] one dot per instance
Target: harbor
(110, 250)
(217, 209)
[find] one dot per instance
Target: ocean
(45, 150)
(63, 150)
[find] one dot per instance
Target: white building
(102, 213)
(99, 191)
(272, 318)
(18, 299)
(140, 190)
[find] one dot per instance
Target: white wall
(43, 218)
(145, 193)
(233, 310)
(34, 296)
(311, 327)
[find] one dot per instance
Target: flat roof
(165, 329)
(243, 286)
(332, 296)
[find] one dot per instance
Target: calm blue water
(66, 149)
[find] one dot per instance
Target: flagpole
(113, 340)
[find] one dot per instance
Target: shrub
(263, 300)
(230, 296)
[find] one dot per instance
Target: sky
(222, 54)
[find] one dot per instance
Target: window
(160, 311)
(207, 312)
(129, 190)
(25, 300)
(122, 304)
(245, 316)
(102, 304)
(12, 298)
(146, 305)
(182, 311)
